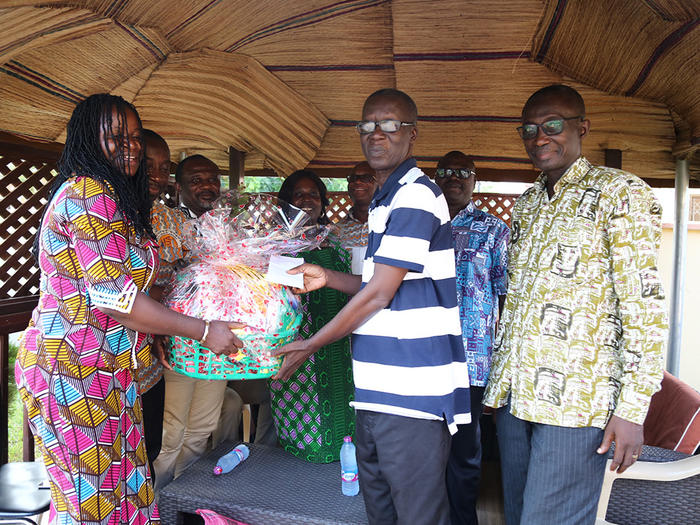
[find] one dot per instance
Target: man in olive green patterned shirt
(580, 347)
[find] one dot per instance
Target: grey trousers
(551, 475)
(402, 464)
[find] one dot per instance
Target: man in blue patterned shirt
(480, 242)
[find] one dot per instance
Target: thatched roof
(285, 81)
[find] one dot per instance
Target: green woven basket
(254, 361)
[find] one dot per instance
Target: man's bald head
(406, 102)
(561, 93)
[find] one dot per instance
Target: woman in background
(91, 329)
(323, 383)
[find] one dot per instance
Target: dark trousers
(401, 464)
(464, 465)
(153, 401)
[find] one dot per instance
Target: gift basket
(232, 245)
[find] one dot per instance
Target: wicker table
(271, 487)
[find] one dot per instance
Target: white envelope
(277, 271)
(358, 257)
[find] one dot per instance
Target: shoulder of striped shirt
(411, 176)
(419, 196)
(421, 179)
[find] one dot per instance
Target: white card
(358, 258)
(277, 271)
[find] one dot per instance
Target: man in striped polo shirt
(411, 378)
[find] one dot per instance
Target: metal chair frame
(22, 479)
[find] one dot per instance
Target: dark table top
(270, 487)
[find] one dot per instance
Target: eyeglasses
(365, 127)
(551, 127)
(461, 173)
(367, 179)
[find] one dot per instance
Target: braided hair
(83, 156)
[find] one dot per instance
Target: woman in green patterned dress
(312, 410)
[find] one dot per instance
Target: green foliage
(15, 411)
(273, 184)
(336, 184)
(262, 184)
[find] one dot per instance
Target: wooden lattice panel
(339, 206)
(499, 205)
(23, 193)
(694, 214)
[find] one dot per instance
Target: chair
(663, 486)
(673, 421)
(23, 492)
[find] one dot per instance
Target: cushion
(673, 421)
(212, 518)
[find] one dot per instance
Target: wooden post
(236, 167)
(613, 158)
(27, 438)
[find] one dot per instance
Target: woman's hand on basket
(314, 277)
(221, 339)
(295, 353)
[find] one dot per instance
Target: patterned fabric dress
(75, 365)
(311, 410)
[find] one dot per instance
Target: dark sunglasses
(368, 179)
(365, 127)
(461, 173)
(551, 127)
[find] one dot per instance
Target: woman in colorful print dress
(90, 330)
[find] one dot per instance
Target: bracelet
(206, 333)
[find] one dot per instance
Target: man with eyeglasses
(480, 243)
(410, 374)
(579, 351)
(352, 229)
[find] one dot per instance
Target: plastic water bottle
(348, 468)
(229, 461)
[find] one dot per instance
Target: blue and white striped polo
(408, 358)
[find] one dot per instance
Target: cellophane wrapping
(232, 245)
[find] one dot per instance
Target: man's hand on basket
(295, 353)
(158, 350)
(221, 339)
(314, 277)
